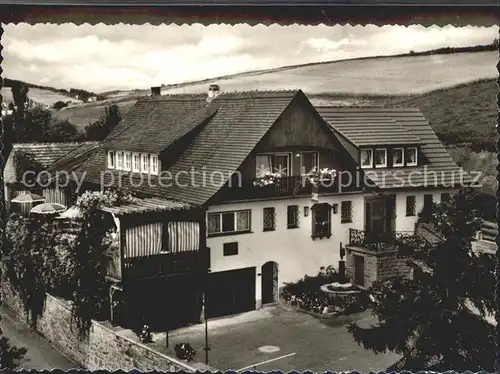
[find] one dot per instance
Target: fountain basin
(340, 289)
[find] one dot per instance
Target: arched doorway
(270, 282)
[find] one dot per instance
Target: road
(41, 354)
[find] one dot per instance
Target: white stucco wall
(294, 250)
(296, 253)
(404, 223)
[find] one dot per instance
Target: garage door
(230, 292)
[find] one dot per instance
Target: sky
(102, 57)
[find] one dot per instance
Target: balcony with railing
(160, 265)
(381, 242)
(287, 186)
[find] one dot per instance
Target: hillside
(45, 95)
(354, 81)
(465, 114)
(39, 95)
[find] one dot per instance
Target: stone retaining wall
(104, 349)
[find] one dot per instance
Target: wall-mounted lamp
(306, 211)
(335, 208)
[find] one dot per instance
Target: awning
(147, 205)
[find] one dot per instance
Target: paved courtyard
(297, 340)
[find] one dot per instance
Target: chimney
(156, 91)
(213, 91)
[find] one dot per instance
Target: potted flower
(317, 175)
(267, 178)
(184, 351)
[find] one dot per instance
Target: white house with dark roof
(201, 226)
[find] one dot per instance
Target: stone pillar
(349, 269)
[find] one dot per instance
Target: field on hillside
(39, 95)
(378, 76)
(84, 114)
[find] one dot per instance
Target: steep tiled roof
(72, 160)
(145, 205)
(45, 153)
(383, 131)
(31, 155)
(240, 121)
(440, 166)
(156, 122)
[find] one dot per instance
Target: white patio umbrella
(48, 208)
(28, 198)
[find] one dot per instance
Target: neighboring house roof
(71, 161)
(412, 121)
(40, 155)
(146, 205)
(154, 123)
(238, 121)
(383, 131)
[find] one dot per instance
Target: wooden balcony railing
(287, 186)
(159, 265)
(379, 242)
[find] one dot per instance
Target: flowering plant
(145, 334)
(317, 175)
(267, 178)
(92, 200)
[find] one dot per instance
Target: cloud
(102, 57)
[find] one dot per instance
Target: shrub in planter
(307, 295)
(184, 351)
(309, 287)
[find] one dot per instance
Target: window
(411, 156)
(154, 164)
(445, 197)
(321, 221)
(380, 158)
(428, 202)
(119, 160)
(145, 162)
(366, 158)
(410, 206)
(111, 159)
(269, 219)
(230, 249)
(136, 162)
(398, 157)
(345, 211)
(128, 161)
(228, 222)
(309, 161)
(279, 162)
(292, 216)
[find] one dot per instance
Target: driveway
(288, 340)
(41, 354)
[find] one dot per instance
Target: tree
(436, 320)
(100, 129)
(37, 123)
(62, 131)
(20, 97)
(59, 105)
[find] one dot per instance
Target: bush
(310, 285)
(59, 105)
